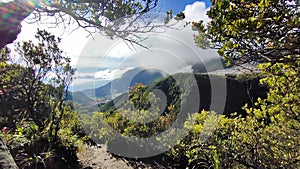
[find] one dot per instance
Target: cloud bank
(196, 12)
(110, 74)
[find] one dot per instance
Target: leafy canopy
(252, 31)
(34, 114)
(268, 137)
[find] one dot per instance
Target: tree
(268, 137)
(50, 67)
(252, 31)
(47, 74)
(139, 97)
(33, 107)
(114, 18)
(9, 103)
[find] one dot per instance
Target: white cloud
(82, 84)
(109, 74)
(120, 50)
(196, 12)
(170, 51)
(186, 69)
(72, 41)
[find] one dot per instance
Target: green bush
(39, 125)
(268, 137)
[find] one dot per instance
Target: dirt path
(92, 157)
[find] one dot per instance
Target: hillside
(79, 97)
(240, 90)
(120, 85)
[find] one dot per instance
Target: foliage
(91, 13)
(255, 140)
(34, 114)
(137, 116)
(268, 137)
(71, 134)
(247, 31)
(138, 97)
(169, 16)
(271, 132)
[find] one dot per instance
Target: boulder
(11, 15)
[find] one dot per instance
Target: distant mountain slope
(210, 66)
(121, 85)
(81, 98)
(239, 91)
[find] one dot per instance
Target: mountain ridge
(120, 85)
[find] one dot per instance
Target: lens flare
(14, 12)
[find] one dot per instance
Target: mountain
(81, 98)
(211, 65)
(121, 85)
(239, 90)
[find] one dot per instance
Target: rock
(12, 14)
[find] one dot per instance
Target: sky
(99, 59)
(178, 5)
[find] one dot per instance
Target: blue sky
(178, 5)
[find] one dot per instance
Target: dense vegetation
(265, 133)
(268, 137)
(129, 114)
(38, 126)
(256, 130)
